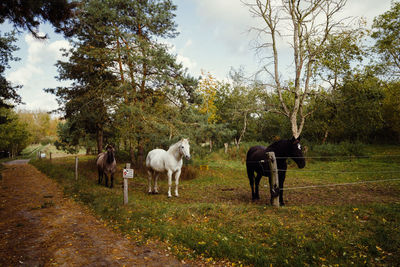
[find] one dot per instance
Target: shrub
(330, 151)
(122, 156)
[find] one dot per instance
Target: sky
(213, 37)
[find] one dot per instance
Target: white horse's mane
(174, 146)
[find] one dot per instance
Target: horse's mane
(172, 147)
(278, 146)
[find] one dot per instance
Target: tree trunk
(132, 154)
(100, 140)
(140, 157)
(325, 136)
(243, 130)
(226, 145)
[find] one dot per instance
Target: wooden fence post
(76, 168)
(50, 155)
(274, 176)
(128, 166)
(127, 174)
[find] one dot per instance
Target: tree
(386, 32)
(13, 134)
(8, 92)
(207, 89)
(310, 23)
(28, 15)
(391, 107)
(238, 103)
(340, 54)
(352, 112)
(337, 60)
(130, 79)
(40, 125)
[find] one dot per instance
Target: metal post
(274, 177)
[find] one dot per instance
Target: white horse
(159, 160)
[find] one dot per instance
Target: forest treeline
(129, 90)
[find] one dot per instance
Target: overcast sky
(213, 37)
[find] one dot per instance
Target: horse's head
(184, 148)
(296, 153)
(110, 154)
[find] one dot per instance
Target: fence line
(339, 172)
(333, 185)
(340, 156)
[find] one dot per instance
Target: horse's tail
(148, 158)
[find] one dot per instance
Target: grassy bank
(215, 219)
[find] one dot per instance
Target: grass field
(214, 219)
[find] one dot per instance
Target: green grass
(32, 150)
(214, 218)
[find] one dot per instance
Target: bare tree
(305, 25)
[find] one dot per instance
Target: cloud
(228, 21)
(44, 51)
(37, 72)
(184, 60)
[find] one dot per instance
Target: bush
(330, 151)
(122, 156)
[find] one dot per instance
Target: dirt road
(40, 227)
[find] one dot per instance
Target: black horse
(256, 161)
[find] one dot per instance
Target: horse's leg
(250, 174)
(257, 182)
(112, 180)
(169, 173)
(149, 172)
(100, 176)
(106, 178)
(155, 182)
(270, 189)
(177, 174)
(282, 176)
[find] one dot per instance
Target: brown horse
(106, 164)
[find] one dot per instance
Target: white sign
(128, 173)
(42, 155)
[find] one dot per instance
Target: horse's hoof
(155, 193)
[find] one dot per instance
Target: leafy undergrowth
(215, 219)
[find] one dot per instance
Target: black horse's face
(297, 153)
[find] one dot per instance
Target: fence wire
(334, 185)
(340, 172)
(376, 172)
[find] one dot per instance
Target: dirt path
(40, 227)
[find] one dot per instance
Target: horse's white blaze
(159, 160)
